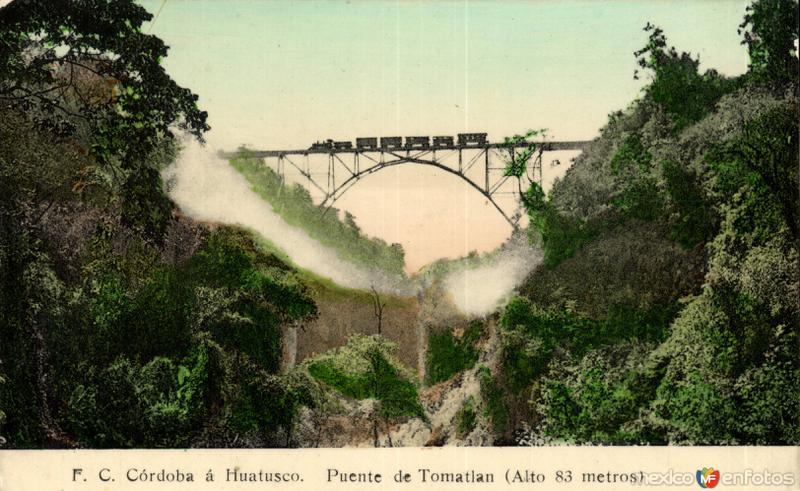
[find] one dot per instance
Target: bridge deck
(548, 146)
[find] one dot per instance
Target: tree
(81, 86)
(84, 69)
(378, 305)
(676, 83)
(517, 164)
(770, 33)
(767, 148)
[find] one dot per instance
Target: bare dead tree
(378, 306)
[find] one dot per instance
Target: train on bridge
(396, 142)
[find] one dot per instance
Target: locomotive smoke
(207, 188)
(481, 290)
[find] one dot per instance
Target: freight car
(417, 142)
(391, 142)
(343, 145)
(471, 139)
(362, 143)
(442, 141)
(396, 142)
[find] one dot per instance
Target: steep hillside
(666, 309)
(294, 204)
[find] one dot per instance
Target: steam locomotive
(396, 142)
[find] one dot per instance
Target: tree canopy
(86, 70)
(770, 32)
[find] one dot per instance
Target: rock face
(349, 423)
(444, 401)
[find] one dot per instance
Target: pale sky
(278, 74)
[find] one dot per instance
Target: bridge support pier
(486, 162)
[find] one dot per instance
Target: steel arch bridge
(331, 169)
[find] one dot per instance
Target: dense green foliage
(495, 401)
(124, 324)
(667, 309)
(448, 355)
(149, 354)
(623, 338)
(86, 70)
(559, 235)
(466, 418)
(532, 334)
(638, 195)
(676, 84)
(693, 219)
(770, 32)
(294, 204)
(366, 369)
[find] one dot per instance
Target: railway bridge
(329, 169)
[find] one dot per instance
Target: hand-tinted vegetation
(667, 308)
(123, 324)
(466, 418)
(366, 369)
(295, 205)
(495, 405)
(86, 71)
(448, 355)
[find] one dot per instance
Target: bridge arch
(348, 183)
(416, 151)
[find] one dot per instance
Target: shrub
(448, 355)
(365, 368)
(465, 418)
(494, 403)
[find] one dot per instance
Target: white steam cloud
(207, 188)
(480, 290)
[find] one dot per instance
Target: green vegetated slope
(449, 354)
(667, 307)
(115, 338)
(294, 204)
(122, 322)
(443, 267)
(320, 287)
(366, 368)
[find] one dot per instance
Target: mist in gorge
(481, 289)
(207, 188)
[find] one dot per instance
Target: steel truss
(358, 163)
